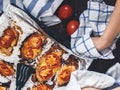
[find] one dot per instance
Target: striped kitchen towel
(92, 23)
(43, 10)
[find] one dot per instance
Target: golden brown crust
(9, 39)
(3, 88)
(32, 46)
(73, 61)
(64, 74)
(6, 69)
(43, 72)
(48, 65)
(42, 87)
(71, 64)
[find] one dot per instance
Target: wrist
(101, 43)
(107, 41)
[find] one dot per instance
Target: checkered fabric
(43, 10)
(92, 23)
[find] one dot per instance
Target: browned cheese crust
(9, 39)
(48, 65)
(6, 69)
(42, 87)
(32, 46)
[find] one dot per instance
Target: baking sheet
(12, 16)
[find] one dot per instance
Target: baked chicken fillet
(6, 69)
(44, 72)
(64, 74)
(9, 39)
(41, 87)
(48, 65)
(32, 46)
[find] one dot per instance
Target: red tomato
(72, 26)
(65, 11)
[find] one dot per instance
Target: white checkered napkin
(43, 10)
(92, 22)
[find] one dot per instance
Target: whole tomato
(65, 11)
(72, 26)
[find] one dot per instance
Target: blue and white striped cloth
(42, 9)
(92, 23)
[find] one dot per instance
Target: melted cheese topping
(9, 40)
(64, 74)
(3, 88)
(42, 87)
(45, 72)
(32, 46)
(5, 69)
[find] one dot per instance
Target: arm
(111, 31)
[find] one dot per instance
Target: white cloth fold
(114, 71)
(83, 78)
(92, 23)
